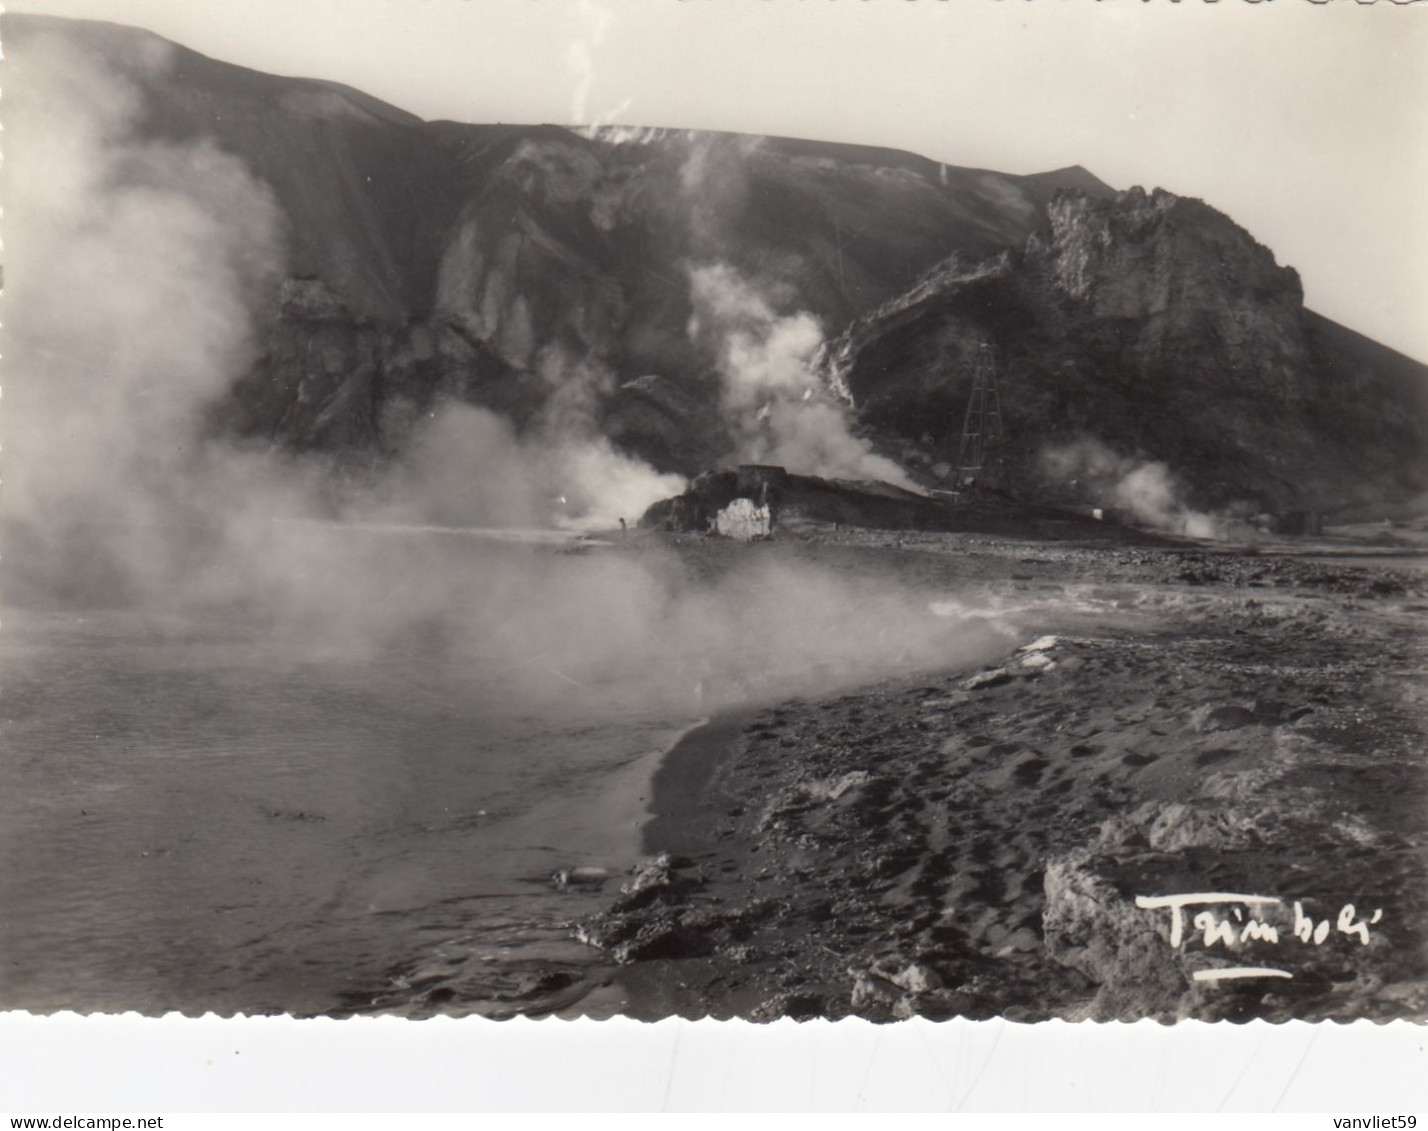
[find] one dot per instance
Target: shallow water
(352, 768)
(202, 814)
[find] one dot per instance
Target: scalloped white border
(128, 1063)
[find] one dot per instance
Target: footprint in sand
(1017, 882)
(1218, 754)
(928, 771)
(985, 849)
(1029, 772)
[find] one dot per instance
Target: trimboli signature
(1247, 923)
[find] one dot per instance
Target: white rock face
(744, 520)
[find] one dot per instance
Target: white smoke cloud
(137, 272)
(1144, 488)
(467, 468)
(780, 410)
(594, 484)
(131, 265)
(600, 485)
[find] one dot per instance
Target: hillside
(617, 282)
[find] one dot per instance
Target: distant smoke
(467, 467)
(714, 185)
(1144, 488)
(779, 409)
(593, 484)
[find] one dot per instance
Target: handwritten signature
(1239, 926)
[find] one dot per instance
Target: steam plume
(1145, 488)
(781, 412)
(467, 467)
(132, 267)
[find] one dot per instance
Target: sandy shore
(972, 842)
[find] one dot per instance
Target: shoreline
(951, 844)
(679, 802)
(677, 820)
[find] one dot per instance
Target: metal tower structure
(980, 463)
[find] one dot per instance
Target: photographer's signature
(1247, 922)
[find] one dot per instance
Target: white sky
(1307, 123)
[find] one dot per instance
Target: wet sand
(577, 841)
(679, 819)
(970, 842)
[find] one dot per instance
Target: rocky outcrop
(705, 505)
(338, 381)
(1157, 326)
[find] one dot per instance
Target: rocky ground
(1170, 720)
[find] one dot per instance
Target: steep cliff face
(1155, 326)
(550, 275)
(572, 256)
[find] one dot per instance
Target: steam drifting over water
(134, 305)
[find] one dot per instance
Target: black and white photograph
(715, 509)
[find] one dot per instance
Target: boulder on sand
(1091, 927)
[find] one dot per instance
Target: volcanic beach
(317, 701)
(884, 774)
(1158, 719)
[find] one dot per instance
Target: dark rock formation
(1156, 325)
(795, 498)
